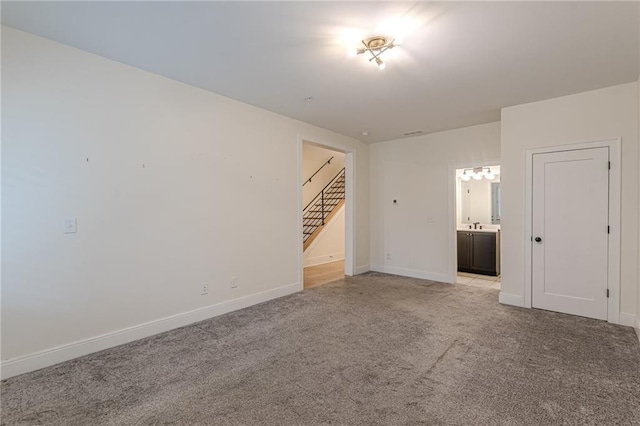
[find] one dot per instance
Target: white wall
(637, 325)
(596, 115)
(419, 173)
(172, 186)
(313, 157)
(328, 246)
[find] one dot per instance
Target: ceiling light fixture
(376, 46)
(477, 173)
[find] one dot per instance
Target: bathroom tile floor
(476, 280)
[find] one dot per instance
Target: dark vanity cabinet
(479, 252)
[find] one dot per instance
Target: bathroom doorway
(477, 232)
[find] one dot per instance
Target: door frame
(349, 205)
(614, 145)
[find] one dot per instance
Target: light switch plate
(70, 225)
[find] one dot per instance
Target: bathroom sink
(478, 230)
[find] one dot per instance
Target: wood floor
(322, 274)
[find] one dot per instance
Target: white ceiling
(458, 65)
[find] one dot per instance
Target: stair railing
(321, 167)
(321, 195)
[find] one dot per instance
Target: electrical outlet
(234, 282)
(205, 289)
(388, 256)
(429, 219)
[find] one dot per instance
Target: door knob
(538, 239)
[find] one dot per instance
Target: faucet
(475, 225)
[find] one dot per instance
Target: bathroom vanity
(479, 251)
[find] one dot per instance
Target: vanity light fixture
(477, 173)
(376, 46)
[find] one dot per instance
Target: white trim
(321, 260)
(637, 327)
(613, 307)
(453, 215)
(413, 273)
(453, 223)
(299, 235)
(349, 205)
(48, 357)
(350, 212)
(627, 319)
(361, 269)
(511, 299)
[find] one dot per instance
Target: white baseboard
(321, 260)
(48, 357)
(627, 319)
(637, 327)
(451, 279)
(361, 269)
(413, 273)
(511, 299)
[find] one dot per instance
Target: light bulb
(380, 63)
(465, 177)
(351, 52)
(490, 176)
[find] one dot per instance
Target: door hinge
(609, 165)
(608, 229)
(607, 292)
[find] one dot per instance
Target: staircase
(322, 208)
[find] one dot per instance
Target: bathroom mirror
(481, 200)
(496, 203)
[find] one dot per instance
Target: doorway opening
(324, 213)
(477, 232)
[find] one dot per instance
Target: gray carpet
(368, 350)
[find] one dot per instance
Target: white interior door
(570, 231)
